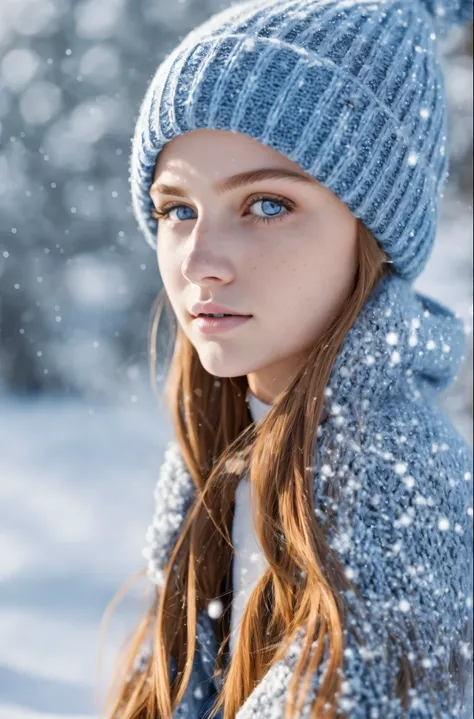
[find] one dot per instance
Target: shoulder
(406, 450)
(425, 464)
(403, 513)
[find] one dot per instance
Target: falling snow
(73, 272)
(215, 608)
(395, 533)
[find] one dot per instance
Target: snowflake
(198, 693)
(215, 608)
(404, 606)
(400, 468)
(350, 573)
(248, 44)
(346, 704)
(404, 521)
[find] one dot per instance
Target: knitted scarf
(403, 515)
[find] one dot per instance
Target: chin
(223, 366)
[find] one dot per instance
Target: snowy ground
(76, 493)
(76, 496)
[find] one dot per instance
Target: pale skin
(292, 273)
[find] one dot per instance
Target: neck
(257, 407)
(270, 381)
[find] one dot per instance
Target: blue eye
(177, 208)
(164, 214)
(271, 207)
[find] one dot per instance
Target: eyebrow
(243, 178)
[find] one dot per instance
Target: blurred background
(81, 434)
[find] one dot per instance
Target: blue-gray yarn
(397, 476)
(351, 90)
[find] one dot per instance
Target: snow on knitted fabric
(396, 478)
(173, 496)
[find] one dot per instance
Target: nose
(205, 259)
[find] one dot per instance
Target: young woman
(311, 545)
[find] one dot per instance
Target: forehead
(218, 153)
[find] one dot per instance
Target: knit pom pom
(449, 12)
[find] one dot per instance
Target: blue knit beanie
(351, 90)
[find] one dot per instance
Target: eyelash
(163, 214)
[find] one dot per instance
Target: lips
(218, 325)
(213, 308)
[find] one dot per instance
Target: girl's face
(281, 249)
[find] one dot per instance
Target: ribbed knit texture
(398, 478)
(351, 90)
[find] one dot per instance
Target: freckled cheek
(255, 265)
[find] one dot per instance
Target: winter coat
(403, 525)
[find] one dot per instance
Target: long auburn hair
(300, 589)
